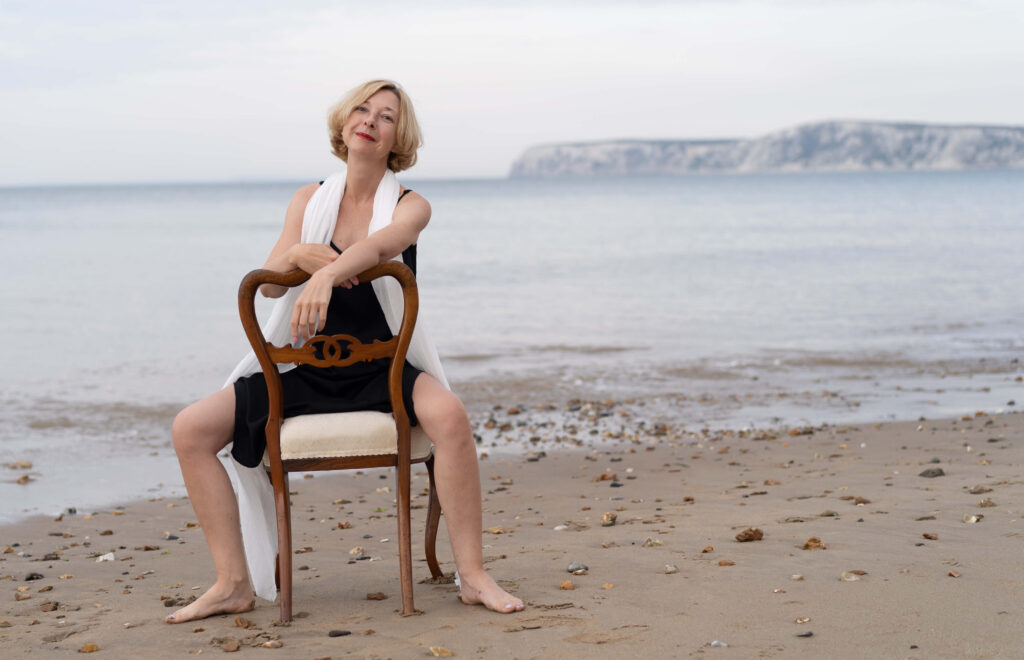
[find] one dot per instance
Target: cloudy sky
(192, 90)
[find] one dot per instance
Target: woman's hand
(310, 312)
(311, 257)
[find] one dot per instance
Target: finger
(303, 320)
(311, 321)
(322, 314)
(294, 325)
(355, 281)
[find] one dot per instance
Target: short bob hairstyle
(408, 137)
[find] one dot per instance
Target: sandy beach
(904, 566)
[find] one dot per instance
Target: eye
(388, 118)
(361, 108)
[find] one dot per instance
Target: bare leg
(200, 431)
(457, 474)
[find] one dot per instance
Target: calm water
(796, 298)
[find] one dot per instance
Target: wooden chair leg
(284, 548)
(405, 538)
(433, 519)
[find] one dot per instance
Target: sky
(191, 90)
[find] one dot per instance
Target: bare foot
(218, 600)
(481, 589)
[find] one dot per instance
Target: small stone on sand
(750, 534)
(814, 543)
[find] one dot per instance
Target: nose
(369, 121)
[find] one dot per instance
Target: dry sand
(933, 585)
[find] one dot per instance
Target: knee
(446, 419)
(185, 432)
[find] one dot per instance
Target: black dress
(312, 390)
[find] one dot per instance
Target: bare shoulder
(297, 207)
(413, 208)
(302, 195)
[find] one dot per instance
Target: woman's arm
(310, 311)
(288, 252)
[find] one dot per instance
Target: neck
(362, 178)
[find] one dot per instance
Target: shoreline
(113, 452)
(856, 487)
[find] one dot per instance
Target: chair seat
(343, 435)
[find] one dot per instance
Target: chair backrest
(329, 350)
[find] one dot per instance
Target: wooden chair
(342, 441)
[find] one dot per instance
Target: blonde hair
(408, 137)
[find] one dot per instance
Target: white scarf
(255, 494)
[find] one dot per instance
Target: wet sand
(667, 579)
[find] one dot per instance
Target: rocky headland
(830, 146)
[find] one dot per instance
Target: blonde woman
(374, 130)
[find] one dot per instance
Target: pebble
(670, 569)
(719, 645)
(339, 633)
(805, 634)
(931, 473)
(33, 576)
(814, 543)
(750, 534)
(577, 566)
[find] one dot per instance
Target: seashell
(608, 519)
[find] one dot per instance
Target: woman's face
(370, 129)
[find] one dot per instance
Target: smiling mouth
(367, 137)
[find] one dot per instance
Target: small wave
(473, 357)
(92, 418)
(583, 349)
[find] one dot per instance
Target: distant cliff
(832, 146)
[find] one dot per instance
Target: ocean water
(717, 300)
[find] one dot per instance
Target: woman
(374, 130)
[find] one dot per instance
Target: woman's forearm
(352, 261)
(281, 263)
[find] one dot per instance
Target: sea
(739, 301)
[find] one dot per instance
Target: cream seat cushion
(334, 435)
